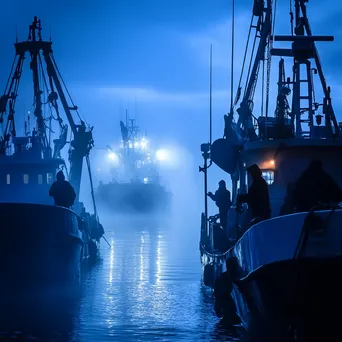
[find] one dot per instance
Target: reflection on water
(147, 287)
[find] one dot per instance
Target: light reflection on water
(147, 287)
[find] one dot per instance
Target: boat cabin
(283, 161)
(27, 180)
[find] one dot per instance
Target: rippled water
(147, 287)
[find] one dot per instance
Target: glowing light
(272, 162)
(145, 180)
(143, 144)
(136, 144)
(113, 156)
(161, 155)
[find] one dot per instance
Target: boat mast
(303, 50)
(82, 141)
(34, 36)
(205, 148)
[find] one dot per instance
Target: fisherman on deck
(313, 186)
(62, 191)
(223, 202)
(257, 198)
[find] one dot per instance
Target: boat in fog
(283, 270)
(42, 244)
(136, 185)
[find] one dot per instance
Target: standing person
(313, 186)
(223, 202)
(257, 198)
(62, 191)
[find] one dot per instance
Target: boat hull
(286, 271)
(41, 245)
(134, 198)
(301, 294)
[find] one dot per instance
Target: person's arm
(229, 199)
(242, 198)
(72, 194)
(334, 190)
(211, 195)
(52, 190)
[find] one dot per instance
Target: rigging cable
(9, 76)
(210, 96)
(244, 62)
(81, 117)
(232, 59)
(93, 196)
(263, 87)
(269, 58)
(291, 17)
(250, 63)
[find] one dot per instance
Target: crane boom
(246, 106)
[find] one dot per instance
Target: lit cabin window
(268, 176)
(8, 179)
(49, 178)
(40, 179)
(26, 178)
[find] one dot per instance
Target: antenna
(16, 33)
(232, 60)
(211, 94)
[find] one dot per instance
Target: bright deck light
(113, 157)
(161, 155)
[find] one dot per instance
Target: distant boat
(136, 185)
(41, 244)
(283, 272)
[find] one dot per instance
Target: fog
(154, 63)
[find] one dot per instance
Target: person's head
(60, 176)
(254, 171)
(222, 184)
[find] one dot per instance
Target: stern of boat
(40, 245)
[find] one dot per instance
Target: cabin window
(26, 178)
(268, 176)
(49, 178)
(8, 179)
(40, 179)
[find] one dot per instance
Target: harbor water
(146, 287)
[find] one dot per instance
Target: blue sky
(153, 56)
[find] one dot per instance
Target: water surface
(146, 287)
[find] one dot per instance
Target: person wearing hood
(223, 202)
(62, 191)
(313, 186)
(257, 198)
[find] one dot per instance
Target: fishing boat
(41, 244)
(285, 269)
(136, 185)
